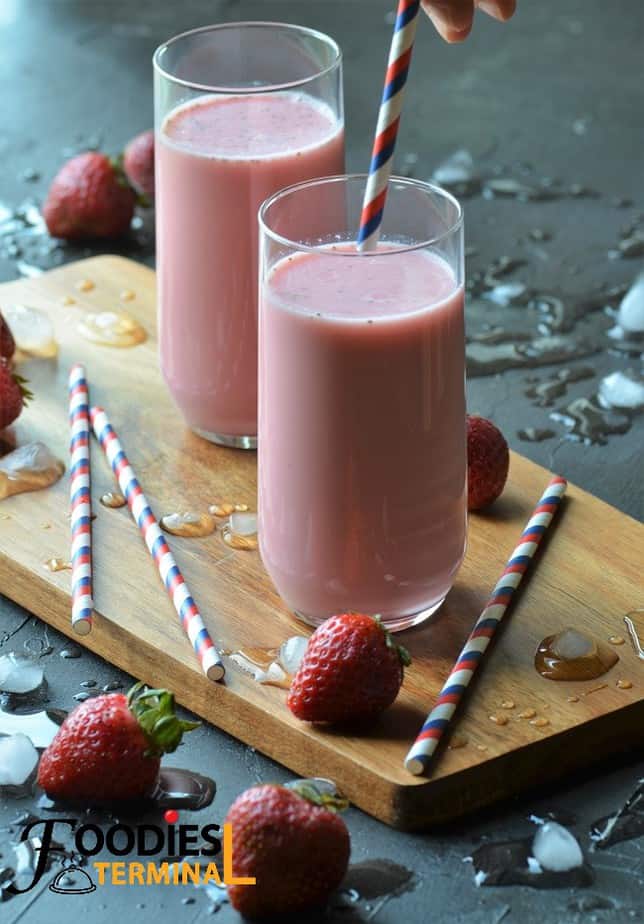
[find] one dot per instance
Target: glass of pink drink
(362, 441)
(241, 110)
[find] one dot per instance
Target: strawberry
(108, 749)
(14, 394)
(7, 343)
(89, 198)
(292, 843)
(488, 460)
(351, 669)
(138, 163)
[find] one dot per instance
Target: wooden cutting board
(589, 577)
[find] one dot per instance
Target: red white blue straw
(419, 757)
(81, 502)
(185, 606)
(382, 156)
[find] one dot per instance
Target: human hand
(453, 18)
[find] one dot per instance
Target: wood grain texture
(589, 576)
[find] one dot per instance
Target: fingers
(452, 18)
(498, 9)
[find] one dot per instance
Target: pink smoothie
(217, 159)
(362, 451)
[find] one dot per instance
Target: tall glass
(362, 440)
(241, 110)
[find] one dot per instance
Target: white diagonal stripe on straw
(422, 750)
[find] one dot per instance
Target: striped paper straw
(437, 722)
(81, 501)
(382, 156)
(173, 580)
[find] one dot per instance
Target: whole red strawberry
(89, 198)
(488, 460)
(7, 343)
(351, 669)
(108, 749)
(14, 394)
(296, 850)
(138, 163)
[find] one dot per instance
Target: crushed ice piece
(630, 315)
(243, 524)
(479, 878)
(291, 653)
(534, 866)
(458, 173)
(19, 674)
(505, 293)
(28, 468)
(32, 330)
(18, 760)
(571, 644)
(272, 673)
(556, 849)
(40, 727)
(622, 390)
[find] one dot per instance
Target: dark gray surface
(72, 70)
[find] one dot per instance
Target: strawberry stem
(320, 794)
(401, 651)
(22, 383)
(154, 711)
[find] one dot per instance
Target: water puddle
(113, 500)
(552, 859)
(543, 393)
(272, 666)
(188, 525)
(573, 655)
(112, 328)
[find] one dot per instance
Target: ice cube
(19, 674)
(18, 760)
(291, 653)
(243, 524)
(40, 727)
(556, 849)
(32, 330)
(570, 645)
(631, 310)
(623, 390)
(457, 168)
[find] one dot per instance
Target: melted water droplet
(572, 699)
(113, 499)
(127, 295)
(188, 525)
(85, 285)
(573, 655)
(456, 742)
(616, 639)
(67, 300)
(32, 330)
(498, 719)
(112, 328)
(223, 509)
(262, 666)
(29, 468)
(508, 704)
(624, 684)
(58, 564)
(71, 652)
(535, 434)
(489, 359)
(540, 722)
(528, 714)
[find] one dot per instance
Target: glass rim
(321, 37)
(427, 188)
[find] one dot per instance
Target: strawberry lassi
(362, 448)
